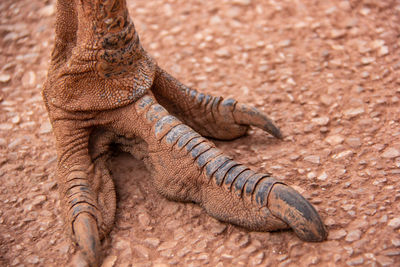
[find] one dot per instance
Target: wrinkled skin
(104, 90)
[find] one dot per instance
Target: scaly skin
(103, 89)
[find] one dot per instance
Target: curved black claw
(247, 115)
(87, 238)
(287, 204)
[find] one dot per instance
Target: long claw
(87, 238)
(288, 205)
(244, 114)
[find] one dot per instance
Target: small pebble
(353, 235)
(394, 223)
(356, 261)
(313, 159)
(258, 258)
(47, 11)
(6, 126)
(396, 242)
(122, 244)
(353, 112)
(144, 219)
(384, 261)
(5, 78)
(367, 60)
(311, 175)
(39, 200)
(334, 140)
(218, 228)
(152, 241)
(33, 259)
(321, 121)
(142, 251)
(222, 52)
(45, 128)
(323, 176)
(167, 245)
(337, 234)
(3, 142)
(391, 153)
(353, 142)
(343, 155)
(336, 34)
(383, 51)
(242, 2)
(285, 43)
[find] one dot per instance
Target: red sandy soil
(328, 72)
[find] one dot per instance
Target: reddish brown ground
(328, 72)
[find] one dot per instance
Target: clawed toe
(87, 238)
(289, 206)
(211, 116)
(244, 114)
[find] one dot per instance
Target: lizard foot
(103, 88)
(187, 167)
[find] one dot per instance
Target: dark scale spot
(193, 94)
(92, 243)
(185, 138)
(208, 99)
(216, 163)
(176, 132)
(200, 98)
(81, 199)
(164, 125)
(194, 142)
(221, 172)
(252, 182)
(155, 112)
(200, 149)
(187, 90)
(263, 189)
(216, 102)
(241, 181)
(83, 207)
(233, 174)
(207, 156)
(74, 201)
(84, 189)
(77, 189)
(230, 102)
(76, 210)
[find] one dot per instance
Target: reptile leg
(208, 115)
(103, 87)
(187, 167)
(86, 189)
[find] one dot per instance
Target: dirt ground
(328, 72)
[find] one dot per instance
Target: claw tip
(288, 205)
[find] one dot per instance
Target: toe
(288, 205)
(87, 238)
